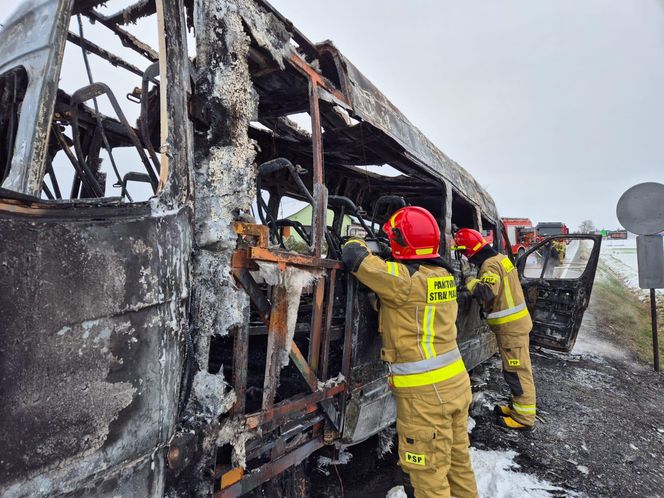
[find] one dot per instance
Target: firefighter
(498, 288)
(559, 249)
(417, 316)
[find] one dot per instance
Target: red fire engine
(520, 233)
(549, 229)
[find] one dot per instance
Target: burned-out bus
(160, 333)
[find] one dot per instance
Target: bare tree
(587, 226)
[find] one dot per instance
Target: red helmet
(469, 241)
(413, 233)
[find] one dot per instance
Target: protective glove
(385, 251)
(470, 283)
(463, 293)
(353, 252)
(465, 266)
(356, 241)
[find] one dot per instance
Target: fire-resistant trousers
(433, 445)
(518, 373)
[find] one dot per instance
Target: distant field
(622, 310)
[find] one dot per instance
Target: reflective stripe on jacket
(498, 284)
(417, 316)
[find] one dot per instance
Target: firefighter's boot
(510, 423)
(502, 410)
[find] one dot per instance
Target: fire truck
(520, 233)
(549, 229)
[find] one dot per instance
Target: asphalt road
(602, 427)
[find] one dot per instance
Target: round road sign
(641, 208)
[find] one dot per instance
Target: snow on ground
(498, 477)
(620, 256)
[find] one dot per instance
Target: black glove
(385, 251)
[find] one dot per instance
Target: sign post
(641, 211)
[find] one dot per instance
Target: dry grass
(622, 314)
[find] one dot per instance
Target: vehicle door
(557, 276)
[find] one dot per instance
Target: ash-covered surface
(602, 427)
(601, 432)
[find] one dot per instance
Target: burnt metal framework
(305, 372)
(344, 136)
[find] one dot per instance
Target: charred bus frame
(214, 366)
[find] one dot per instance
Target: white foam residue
(333, 382)
(294, 280)
(386, 441)
(396, 492)
(497, 477)
(471, 424)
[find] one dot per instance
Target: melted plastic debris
(323, 462)
(386, 441)
(333, 382)
(234, 432)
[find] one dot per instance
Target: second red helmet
(413, 233)
(469, 241)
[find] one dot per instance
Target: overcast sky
(555, 106)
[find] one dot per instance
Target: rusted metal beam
(276, 344)
(319, 218)
(346, 359)
(262, 232)
(316, 134)
(284, 258)
(296, 403)
(304, 368)
(318, 79)
(316, 325)
(269, 470)
(240, 365)
(327, 329)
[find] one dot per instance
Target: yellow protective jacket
(498, 285)
(417, 316)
